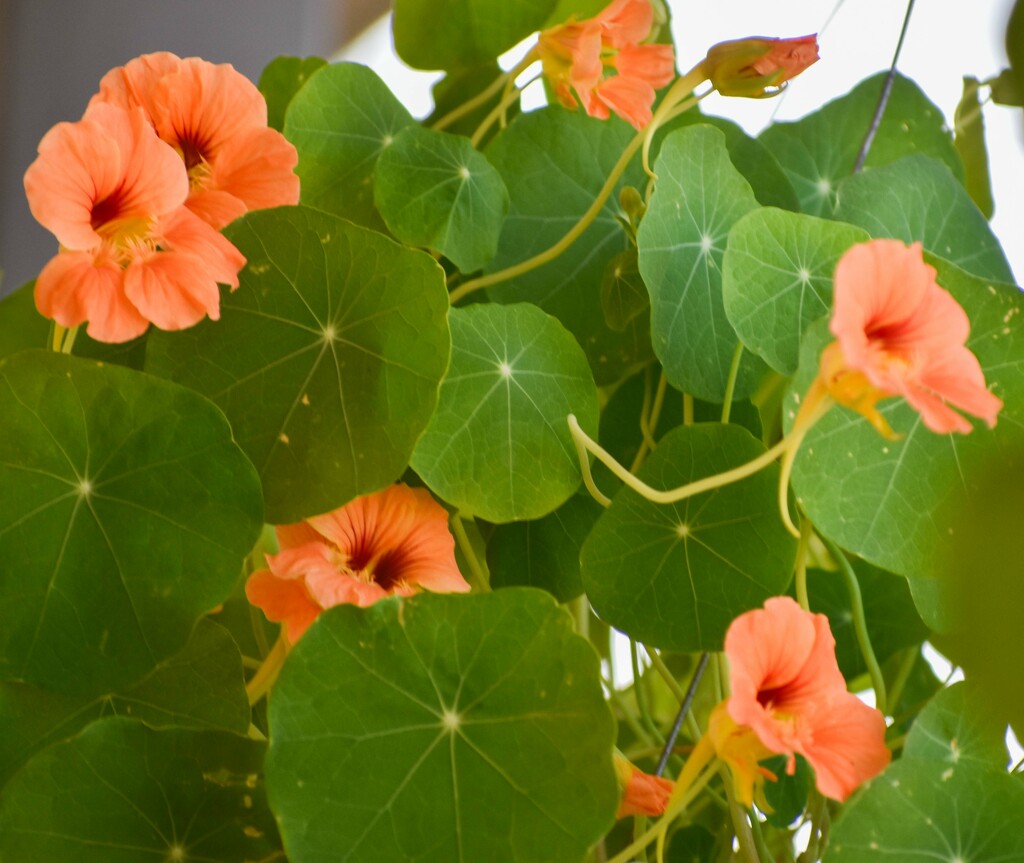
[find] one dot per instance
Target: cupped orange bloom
(787, 688)
(642, 793)
(898, 333)
(577, 58)
(216, 119)
(112, 192)
(389, 543)
(758, 66)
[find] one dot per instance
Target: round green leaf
(326, 360)
(777, 279)
(281, 80)
(554, 162)
(127, 512)
(922, 811)
(498, 445)
(450, 34)
(917, 198)
(201, 687)
(674, 576)
(442, 728)
(698, 197)
(436, 190)
(340, 121)
(887, 501)
(819, 151)
(122, 793)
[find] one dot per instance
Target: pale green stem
(581, 613)
(631, 720)
(477, 572)
(860, 623)
(730, 384)
(687, 409)
(586, 444)
(645, 410)
(588, 477)
(574, 233)
(261, 682)
(740, 824)
(640, 694)
(650, 424)
(676, 96)
(802, 425)
(481, 98)
(806, 530)
(496, 113)
(902, 676)
(658, 664)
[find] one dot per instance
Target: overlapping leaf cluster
(136, 481)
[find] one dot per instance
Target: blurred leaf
(435, 190)
(777, 279)
(819, 151)
(674, 576)
(281, 80)
(200, 688)
(544, 553)
(326, 360)
(498, 445)
(1015, 45)
(127, 512)
(699, 196)
(459, 86)
(554, 163)
(956, 727)
(691, 844)
(623, 293)
(917, 199)
(340, 122)
(449, 34)
(425, 728)
(969, 137)
(892, 620)
(122, 793)
(1004, 90)
(885, 500)
(787, 795)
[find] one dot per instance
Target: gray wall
(54, 52)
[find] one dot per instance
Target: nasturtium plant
(569, 475)
(454, 720)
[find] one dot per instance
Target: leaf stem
(730, 384)
(640, 694)
(262, 681)
(489, 92)
(476, 571)
(860, 624)
(806, 531)
(740, 823)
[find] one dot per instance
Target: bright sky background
(946, 40)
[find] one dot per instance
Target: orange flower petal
(757, 67)
(282, 601)
(905, 335)
(642, 793)
(625, 22)
(630, 98)
(173, 291)
(75, 287)
(654, 64)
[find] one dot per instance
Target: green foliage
(498, 445)
(435, 725)
(674, 576)
(341, 120)
(682, 241)
(120, 792)
(128, 510)
(969, 128)
(281, 80)
(326, 361)
(435, 190)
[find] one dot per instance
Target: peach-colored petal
(173, 290)
(258, 168)
(185, 232)
(847, 746)
(625, 22)
(642, 793)
(134, 84)
(282, 601)
(899, 333)
(792, 56)
(654, 64)
(788, 690)
(393, 542)
(630, 98)
(75, 287)
(107, 168)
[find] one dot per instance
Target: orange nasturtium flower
(577, 55)
(216, 119)
(130, 253)
(758, 67)
(899, 333)
(389, 543)
(788, 690)
(642, 793)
